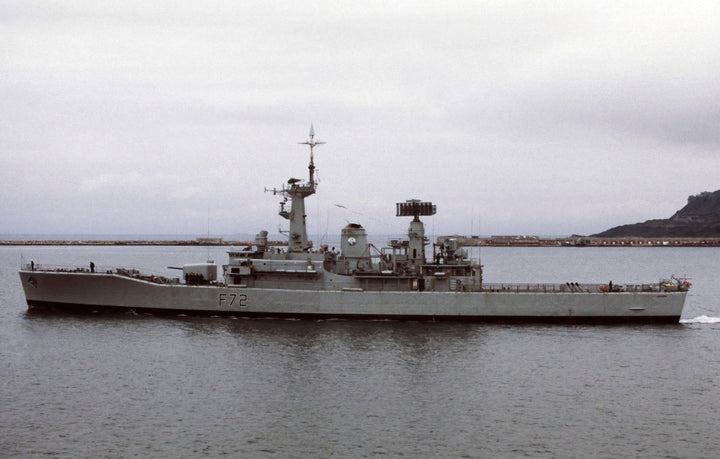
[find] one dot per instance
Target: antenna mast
(312, 143)
(297, 191)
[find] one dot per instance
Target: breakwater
(92, 242)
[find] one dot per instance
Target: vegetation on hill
(699, 218)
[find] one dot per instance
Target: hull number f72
(232, 299)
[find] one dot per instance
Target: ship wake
(703, 319)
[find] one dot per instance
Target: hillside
(699, 218)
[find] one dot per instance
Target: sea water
(118, 385)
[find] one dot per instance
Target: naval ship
(359, 281)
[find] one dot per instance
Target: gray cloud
(522, 117)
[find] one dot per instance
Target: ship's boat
(358, 281)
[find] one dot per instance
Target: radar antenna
(312, 143)
(416, 233)
(415, 208)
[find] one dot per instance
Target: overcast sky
(514, 117)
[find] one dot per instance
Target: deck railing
(569, 287)
(144, 274)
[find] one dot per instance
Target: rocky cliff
(699, 218)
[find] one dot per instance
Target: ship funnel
(355, 249)
(353, 241)
(261, 240)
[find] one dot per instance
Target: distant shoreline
(465, 241)
(583, 241)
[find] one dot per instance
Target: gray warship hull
(358, 281)
(91, 292)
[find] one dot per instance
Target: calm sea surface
(127, 385)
